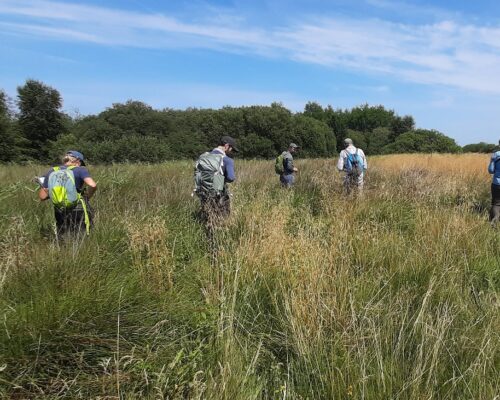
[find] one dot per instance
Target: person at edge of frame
(494, 169)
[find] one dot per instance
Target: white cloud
(463, 56)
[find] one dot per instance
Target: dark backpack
(354, 164)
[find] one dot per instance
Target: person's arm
(229, 174)
(365, 163)
(289, 168)
(340, 162)
(43, 193)
(495, 159)
(92, 187)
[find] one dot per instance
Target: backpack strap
(221, 164)
(85, 213)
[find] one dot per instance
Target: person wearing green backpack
(283, 166)
(69, 187)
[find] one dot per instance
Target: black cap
(230, 141)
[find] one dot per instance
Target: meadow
(310, 295)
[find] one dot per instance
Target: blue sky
(436, 60)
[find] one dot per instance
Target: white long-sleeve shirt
(351, 150)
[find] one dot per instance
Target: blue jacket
(494, 167)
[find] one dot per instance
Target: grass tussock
(310, 295)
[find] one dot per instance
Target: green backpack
(279, 166)
(208, 175)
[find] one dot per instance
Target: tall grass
(310, 295)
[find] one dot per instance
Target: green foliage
(39, 117)
(316, 137)
(366, 118)
(374, 125)
(377, 139)
(134, 131)
(6, 138)
(255, 146)
(422, 141)
(11, 140)
(480, 147)
(123, 131)
(315, 110)
(401, 125)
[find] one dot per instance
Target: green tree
(422, 141)
(315, 137)
(480, 147)
(377, 139)
(401, 125)
(40, 118)
(11, 141)
(7, 141)
(255, 146)
(314, 110)
(272, 122)
(366, 118)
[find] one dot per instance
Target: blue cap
(78, 155)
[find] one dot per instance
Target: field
(310, 295)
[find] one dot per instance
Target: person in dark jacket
(494, 169)
(287, 178)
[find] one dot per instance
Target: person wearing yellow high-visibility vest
(65, 185)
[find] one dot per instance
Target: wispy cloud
(465, 56)
(406, 8)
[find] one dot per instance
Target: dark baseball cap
(230, 141)
(78, 155)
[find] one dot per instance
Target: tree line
(33, 127)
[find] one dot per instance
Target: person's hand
(295, 169)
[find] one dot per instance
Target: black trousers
(495, 204)
(71, 221)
